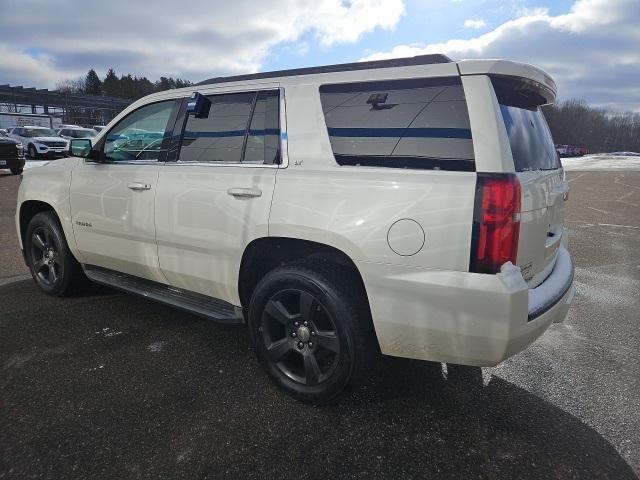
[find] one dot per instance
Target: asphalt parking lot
(111, 386)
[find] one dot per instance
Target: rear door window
(417, 123)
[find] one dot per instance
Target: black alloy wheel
(45, 256)
(53, 266)
(300, 336)
(311, 326)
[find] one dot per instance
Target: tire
(317, 361)
(32, 152)
(16, 171)
(53, 266)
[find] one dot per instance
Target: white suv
(39, 141)
(413, 207)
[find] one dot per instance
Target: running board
(191, 302)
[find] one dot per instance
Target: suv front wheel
(52, 265)
(311, 326)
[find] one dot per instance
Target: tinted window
(140, 135)
(239, 127)
(263, 137)
(420, 123)
(531, 143)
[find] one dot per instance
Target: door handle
(139, 186)
(244, 192)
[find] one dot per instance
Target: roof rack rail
(340, 67)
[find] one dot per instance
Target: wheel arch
(266, 253)
(29, 209)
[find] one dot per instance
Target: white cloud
(474, 23)
(64, 39)
(592, 51)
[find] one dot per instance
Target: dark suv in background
(11, 154)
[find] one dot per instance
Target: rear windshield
(418, 123)
(532, 146)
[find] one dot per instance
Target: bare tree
(575, 123)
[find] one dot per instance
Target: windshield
(531, 143)
(83, 133)
(39, 132)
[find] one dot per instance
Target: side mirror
(198, 105)
(80, 147)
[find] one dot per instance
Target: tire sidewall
(323, 291)
(45, 220)
(33, 153)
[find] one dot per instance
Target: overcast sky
(591, 47)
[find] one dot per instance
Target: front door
(113, 200)
(215, 198)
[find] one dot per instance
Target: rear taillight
(496, 222)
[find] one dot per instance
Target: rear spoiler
(531, 84)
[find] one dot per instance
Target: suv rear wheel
(311, 326)
(52, 265)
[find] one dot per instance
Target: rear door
(541, 177)
(214, 196)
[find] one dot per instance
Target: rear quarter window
(418, 123)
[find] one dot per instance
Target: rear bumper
(461, 317)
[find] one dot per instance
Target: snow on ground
(603, 162)
(34, 163)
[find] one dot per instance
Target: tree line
(124, 86)
(573, 122)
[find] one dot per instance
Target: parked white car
(39, 141)
(413, 207)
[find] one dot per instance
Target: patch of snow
(156, 346)
(603, 162)
(615, 289)
(511, 275)
(108, 332)
(34, 163)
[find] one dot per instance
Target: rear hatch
(542, 182)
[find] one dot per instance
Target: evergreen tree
(127, 86)
(143, 87)
(92, 83)
(163, 84)
(111, 84)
